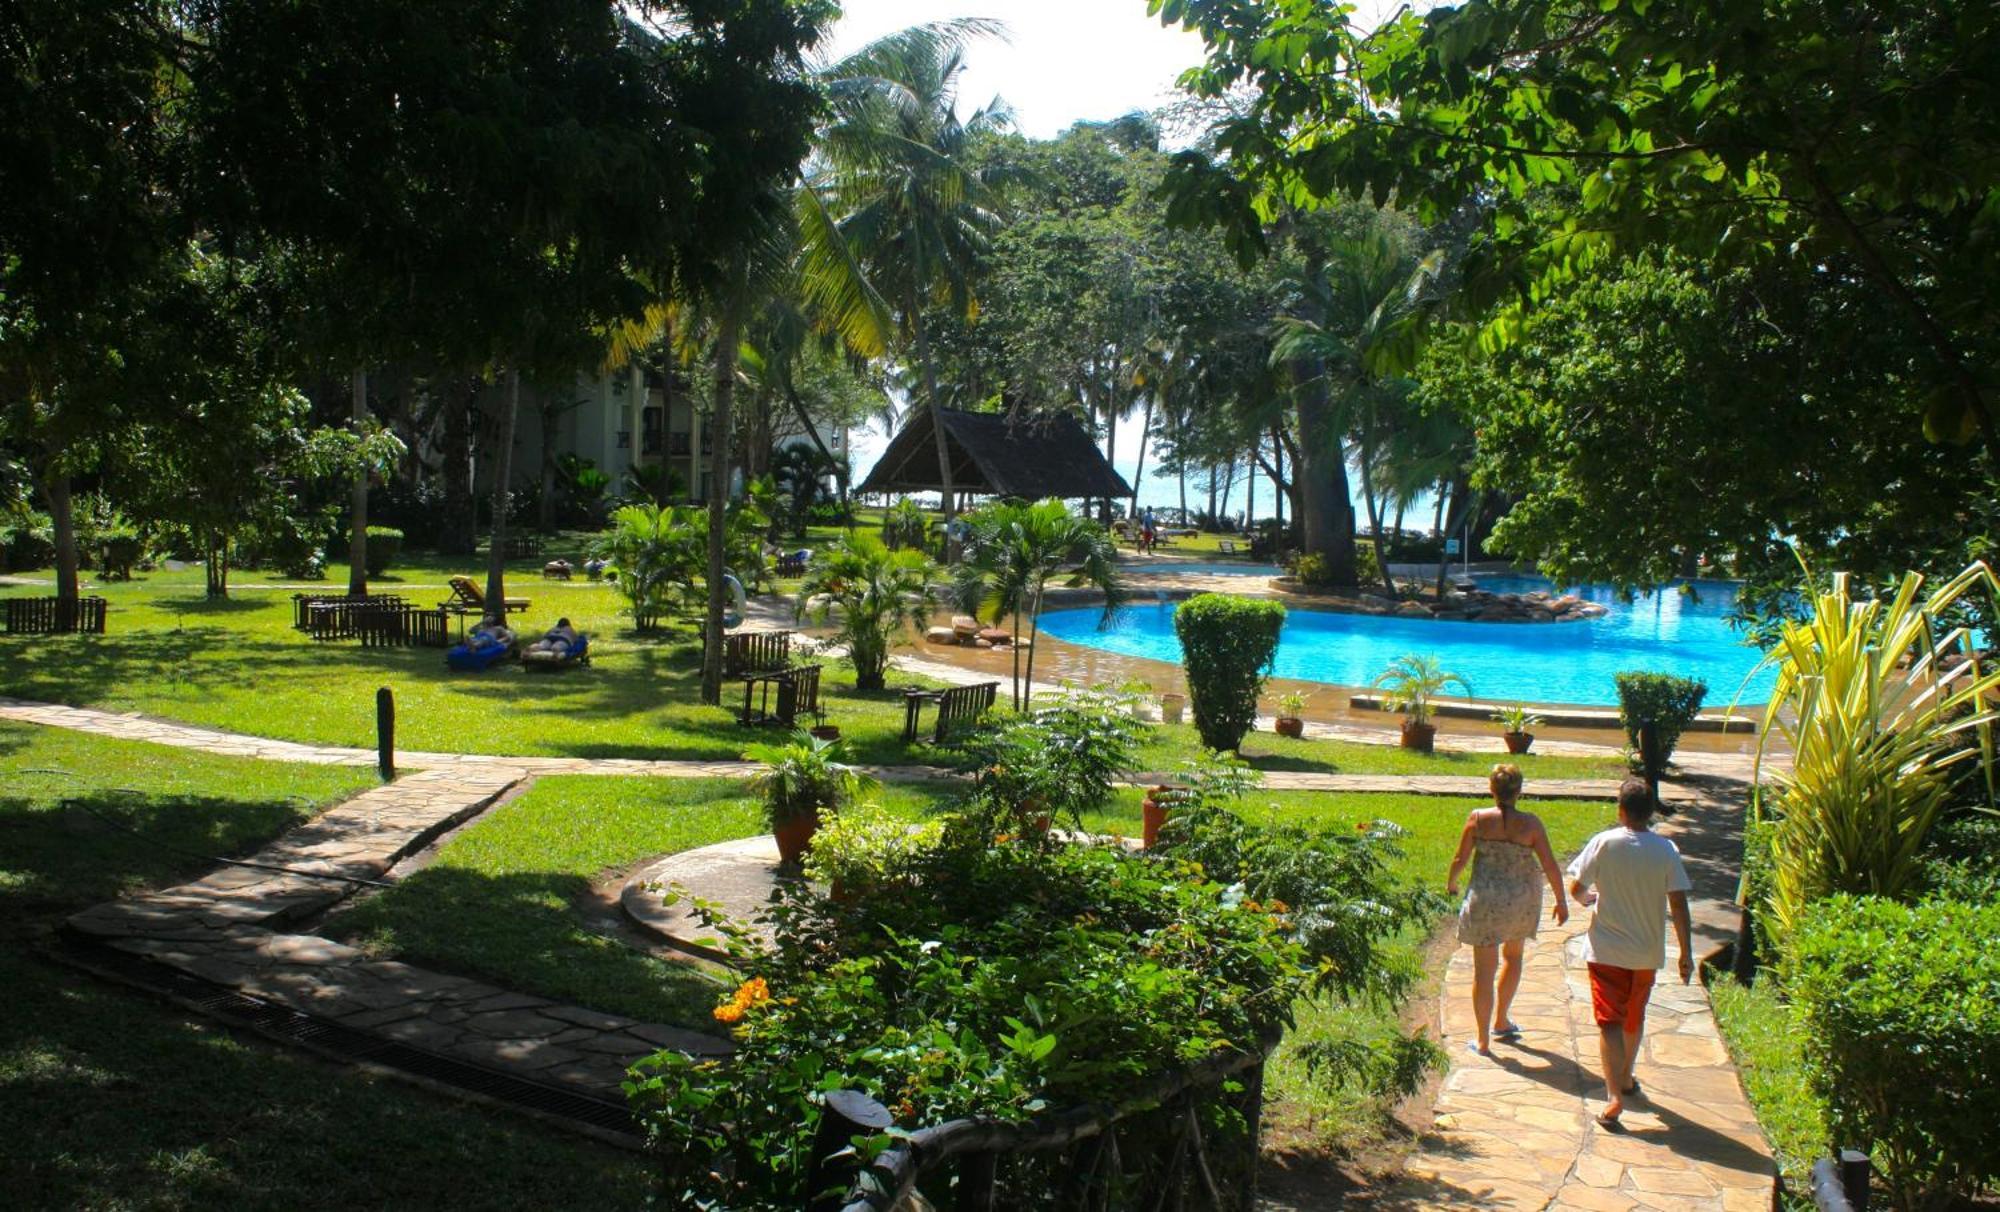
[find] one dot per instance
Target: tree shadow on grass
(524, 931)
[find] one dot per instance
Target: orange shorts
(1618, 995)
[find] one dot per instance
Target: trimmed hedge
(1670, 702)
(1901, 1010)
(1227, 645)
(385, 543)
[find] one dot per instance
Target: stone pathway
(1516, 1130)
(228, 928)
(135, 727)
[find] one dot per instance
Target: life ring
(732, 618)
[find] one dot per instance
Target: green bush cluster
(385, 544)
(1227, 646)
(1901, 1010)
(1367, 564)
(1000, 977)
(1670, 702)
(27, 542)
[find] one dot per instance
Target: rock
(1495, 614)
(1591, 610)
(981, 641)
(996, 636)
(965, 624)
(941, 635)
(1568, 601)
(1376, 600)
(1414, 610)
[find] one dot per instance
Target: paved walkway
(134, 727)
(1516, 1130)
(228, 928)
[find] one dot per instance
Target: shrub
(1886, 717)
(1005, 980)
(1061, 758)
(28, 542)
(879, 595)
(658, 552)
(904, 525)
(1670, 702)
(118, 549)
(385, 543)
(1901, 1010)
(1227, 646)
(1311, 569)
(1367, 564)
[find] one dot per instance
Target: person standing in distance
(1638, 880)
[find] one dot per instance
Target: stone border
(225, 928)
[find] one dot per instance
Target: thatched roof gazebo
(993, 454)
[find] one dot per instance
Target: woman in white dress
(1510, 857)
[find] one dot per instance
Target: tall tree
(900, 211)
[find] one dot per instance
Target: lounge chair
(466, 598)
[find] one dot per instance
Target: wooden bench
(47, 616)
(467, 598)
(747, 652)
(1226, 546)
(329, 617)
(957, 707)
(403, 626)
(794, 690)
(522, 546)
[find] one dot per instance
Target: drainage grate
(346, 1043)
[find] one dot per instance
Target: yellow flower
(729, 1012)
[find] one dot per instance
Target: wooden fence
(402, 626)
(1149, 1149)
(333, 616)
(51, 616)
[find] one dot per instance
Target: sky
(1062, 62)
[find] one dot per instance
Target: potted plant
(1154, 810)
(1172, 706)
(1517, 725)
(801, 781)
(1290, 723)
(1409, 685)
(825, 732)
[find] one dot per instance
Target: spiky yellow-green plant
(1882, 707)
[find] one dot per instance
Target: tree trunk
(357, 537)
(1249, 492)
(503, 468)
(457, 524)
(937, 412)
(1024, 687)
(1109, 412)
(1459, 494)
(62, 525)
(1402, 503)
(1375, 518)
(1325, 508)
(216, 566)
(1214, 510)
(545, 507)
(718, 503)
(1139, 469)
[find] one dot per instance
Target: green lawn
(238, 665)
(1763, 1038)
(113, 1100)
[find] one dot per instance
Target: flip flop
(1609, 1122)
(1507, 1034)
(1472, 1046)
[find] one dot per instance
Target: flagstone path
(1516, 1131)
(227, 928)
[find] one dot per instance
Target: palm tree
(881, 595)
(895, 215)
(1015, 550)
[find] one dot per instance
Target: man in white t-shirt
(1639, 879)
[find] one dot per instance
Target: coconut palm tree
(895, 215)
(880, 595)
(1014, 550)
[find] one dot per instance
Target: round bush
(1227, 645)
(384, 545)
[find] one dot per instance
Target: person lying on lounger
(558, 641)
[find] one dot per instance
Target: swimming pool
(1535, 662)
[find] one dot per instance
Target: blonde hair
(1505, 783)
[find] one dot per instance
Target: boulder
(981, 642)
(940, 635)
(965, 624)
(996, 636)
(1414, 610)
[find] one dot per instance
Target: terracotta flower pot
(1291, 726)
(1419, 737)
(1518, 742)
(1155, 809)
(795, 837)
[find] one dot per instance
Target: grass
(236, 664)
(505, 898)
(112, 1100)
(1764, 1041)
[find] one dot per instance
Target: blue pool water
(1230, 570)
(1571, 662)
